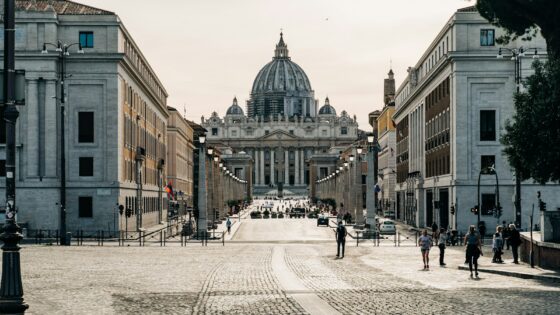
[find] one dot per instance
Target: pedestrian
(514, 241)
(340, 239)
(228, 225)
(425, 243)
(434, 231)
(497, 246)
(442, 241)
(506, 234)
(472, 243)
(482, 230)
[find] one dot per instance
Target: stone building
(386, 158)
(282, 128)
(450, 114)
(116, 116)
(180, 150)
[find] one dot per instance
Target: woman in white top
(425, 243)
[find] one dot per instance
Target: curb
(515, 274)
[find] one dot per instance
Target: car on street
(297, 213)
(323, 219)
(387, 227)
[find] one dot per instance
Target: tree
(524, 17)
(532, 137)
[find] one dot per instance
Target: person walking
(228, 225)
(425, 243)
(497, 246)
(472, 243)
(514, 241)
(340, 239)
(442, 241)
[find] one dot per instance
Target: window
(324, 132)
(85, 127)
(487, 125)
(2, 126)
(234, 133)
(343, 130)
(85, 205)
(86, 39)
(266, 132)
(487, 37)
(86, 166)
(488, 204)
(291, 132)
(487, 161)
(2, 168)
(214, 131)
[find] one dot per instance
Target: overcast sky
(208, 51)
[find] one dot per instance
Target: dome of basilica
(281, 74)
(234, 109)
(327, 109)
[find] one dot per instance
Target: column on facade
(286, 167)
(33, 131)
(296, 168)
(302, 167)
(272, 166)
(256, 168)
(262, 167)
(51, 135)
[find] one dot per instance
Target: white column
(256, 168)
(302, 168)
(296, 180)
(286, 167)
(262, 167)
(272, 166)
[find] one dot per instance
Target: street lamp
(516, 55)
(11, 290)
(371, 201)
(63, 51)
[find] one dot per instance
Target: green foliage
(532, 137)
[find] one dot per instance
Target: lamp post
(11, 290)
(202, 224)
(371, 202)
(62, 50)
(516, 55)
(161, 163)
(139, 158)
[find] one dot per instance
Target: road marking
(295, 288)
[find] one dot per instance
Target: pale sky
(205, 52)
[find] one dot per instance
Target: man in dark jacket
(340, 239)
(514, 241)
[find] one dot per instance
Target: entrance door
(429, 208)
(444, 208)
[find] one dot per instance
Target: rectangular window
(85, 205)
(343, 130)
(487, 37)
(86, 39)
(234, 133)
(291, 132)
(323, 132)
(488, 204)
(86, 166)
(2, 168)
(214, 131)
(2, 126)
(266, 132)
(85, 127)
(487, 161)
(487, 125)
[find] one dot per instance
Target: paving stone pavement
(244, 278)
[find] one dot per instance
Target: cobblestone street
(282, 275)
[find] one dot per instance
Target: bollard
(357, 239)
(395, 239)
(416, 238)
(164, 238)
(57, 240)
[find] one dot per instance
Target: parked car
(323, 219)
(387, 227)
(297, 213)
(389, 214)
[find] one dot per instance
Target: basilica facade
(283, 126)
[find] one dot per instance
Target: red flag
(169, 190)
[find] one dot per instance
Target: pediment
(278, 135)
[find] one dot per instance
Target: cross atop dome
(281, 50)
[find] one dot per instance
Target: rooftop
(62, 7)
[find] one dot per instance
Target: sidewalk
(236, 221)
(455, 255)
